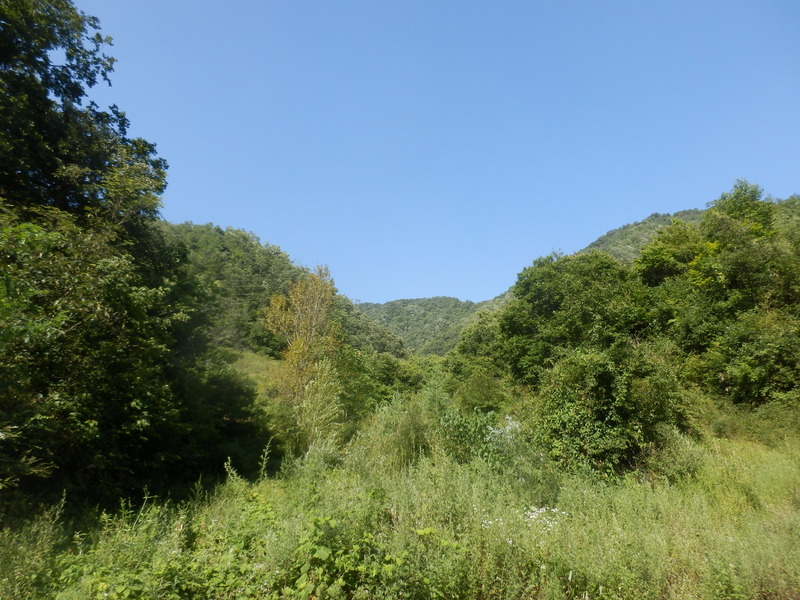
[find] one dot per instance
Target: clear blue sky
(425, 148)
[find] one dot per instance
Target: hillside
(434, 325)
(625, 243)
(426, 325)
(241, 274)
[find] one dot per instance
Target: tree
(726, 292)
(59, 150)
(83, 354)
(607, 408)
(588, 299)
(303, 319)
(106, 384)
(745, 203)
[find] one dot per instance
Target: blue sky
(435, 148)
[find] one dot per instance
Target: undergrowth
(426, 520)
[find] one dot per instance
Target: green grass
(363, 521)
(261, 370)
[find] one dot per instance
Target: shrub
(606, 408)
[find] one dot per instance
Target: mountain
(426, 325)
(433, 325)
(625, 243)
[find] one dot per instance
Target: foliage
(79, 329)
(614, 354)
(437, 527)
(303, 319)
(330, 384)
(755, 359)
(587, 300)
(362, 332)
(241, 274)
(53, 150)
(426, 325)
(669, 253)
(107, 384)
(99, 385)
(608, 408)
(730, 297)
(625, 243)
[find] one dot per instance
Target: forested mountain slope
(625, 243)
(433, 325)
(242, 274)
(426, 325)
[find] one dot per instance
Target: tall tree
(101, 373)
(303, 319)
(57, 149)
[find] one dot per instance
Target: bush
(605, 409)
(756, 359)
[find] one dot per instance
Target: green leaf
(322, 553)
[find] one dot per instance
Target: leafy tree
(755, 359)
(610, 352)
(303, 319)
(577, 333)
(727, 294)
(670, 252)
(745, 203)
(481, 346)
(787, 221)
(241, 275)
(477, 365)
(711, 280)
(561, 302)
(106, 382)
(84, 348)
(54, 150)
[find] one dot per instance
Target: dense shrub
(607, 408)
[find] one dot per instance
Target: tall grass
(397, 514)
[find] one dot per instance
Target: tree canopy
(105, 382)
(614, 351)
(57, 148)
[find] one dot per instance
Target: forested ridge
(625, 243)
(185, 413)
(434, 325)
(426, 325)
